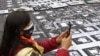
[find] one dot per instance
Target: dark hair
(15, 23)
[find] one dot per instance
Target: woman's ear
(21, 33)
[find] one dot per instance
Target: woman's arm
(53, 43)
(62, 52)
(49, 44)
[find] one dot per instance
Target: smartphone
(69, 29)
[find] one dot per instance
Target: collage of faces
(84, 18)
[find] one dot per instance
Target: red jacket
(48, 45)
(51, 44)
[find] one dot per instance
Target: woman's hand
(66, 42)
(61, 36)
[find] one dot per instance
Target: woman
(16, 39)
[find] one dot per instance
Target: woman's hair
(15, 23)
